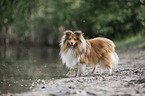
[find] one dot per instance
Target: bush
(43, 21)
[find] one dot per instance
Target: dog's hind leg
(114, 59)
(110, 70)
(76, 71)
(106, 63)
(109, 67)
(94, 69)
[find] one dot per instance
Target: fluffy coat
(76, 52)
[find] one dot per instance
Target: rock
(137, 91)
(140, 81)
(91, 94)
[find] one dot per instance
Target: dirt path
(128, 79)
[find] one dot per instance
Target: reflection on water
(21, 66)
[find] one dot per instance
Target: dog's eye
(74, 38)
(69, 38)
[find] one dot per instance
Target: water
(22, 67)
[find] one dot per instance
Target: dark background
(42, 22)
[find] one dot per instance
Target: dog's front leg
(81, 69)
(76, 71)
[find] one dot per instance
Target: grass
(142, 45)
(135, 41)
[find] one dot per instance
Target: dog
(78, 53)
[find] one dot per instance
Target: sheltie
(78, 53)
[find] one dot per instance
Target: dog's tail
(114, 59)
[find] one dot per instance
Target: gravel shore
(128, 79)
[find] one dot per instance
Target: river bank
(128, 79)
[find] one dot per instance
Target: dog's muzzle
(71, 45)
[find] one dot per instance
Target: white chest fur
(70, 58)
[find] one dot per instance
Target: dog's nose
(71, 43)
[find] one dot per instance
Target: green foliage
(136, 41)
(14, 10)
(42, 21)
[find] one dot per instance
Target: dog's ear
(68, 33)
(78, 33)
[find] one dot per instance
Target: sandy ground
(128, 79)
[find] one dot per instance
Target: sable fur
(76, 52)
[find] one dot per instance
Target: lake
(22, 68)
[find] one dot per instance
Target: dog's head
(72, 39)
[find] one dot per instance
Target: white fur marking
(81, 69)
(70, 58)
(110, 70)
(114, 58)
(114, 61)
